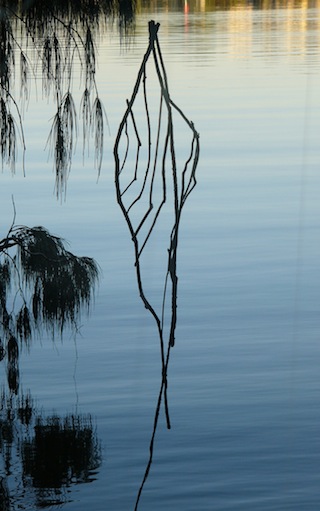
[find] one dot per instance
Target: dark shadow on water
(152, 179)
(43, 457)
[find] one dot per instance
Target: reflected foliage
(42, 286)
(62, 451)
(42, 457)
(153, 180)
(55, 40)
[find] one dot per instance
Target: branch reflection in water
(142, 201)
(46, 455)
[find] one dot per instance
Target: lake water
(244, 375)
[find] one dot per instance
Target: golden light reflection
(222, 5)
(240, 24)
(256, 27)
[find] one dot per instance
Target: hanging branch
(59, 41)
(158, 166)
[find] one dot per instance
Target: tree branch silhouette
(42, 286)
(59, 38)
(160, 165)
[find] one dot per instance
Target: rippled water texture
(243, 378)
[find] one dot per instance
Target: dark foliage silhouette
(43, 286)
(53, 39)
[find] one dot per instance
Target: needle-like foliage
(98, 130)
(25, 79)
(8, 136)
(55, 40)
(62, 139)
(86, 116)
(90, 59)
(42, 284)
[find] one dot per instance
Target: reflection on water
(203, 6)
(42, 287)
(44, 455)
(58, 43)
(244, 378)
(244, 29)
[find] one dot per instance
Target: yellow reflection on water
(252, 28)
(219, 5)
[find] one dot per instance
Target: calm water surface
(244, 377)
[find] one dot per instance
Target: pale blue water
(244, 376)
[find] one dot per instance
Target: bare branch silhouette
(152, 180)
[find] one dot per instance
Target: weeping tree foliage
(42, 286)
(152, 180)
(51, 40)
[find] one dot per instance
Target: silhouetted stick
(188, 182)
(153, 29)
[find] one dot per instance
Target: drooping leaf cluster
(8, 137)
(45, 284)
(42, 286)
(54, 40)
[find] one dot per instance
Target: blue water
(244, 377)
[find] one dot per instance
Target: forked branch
(156, 178)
